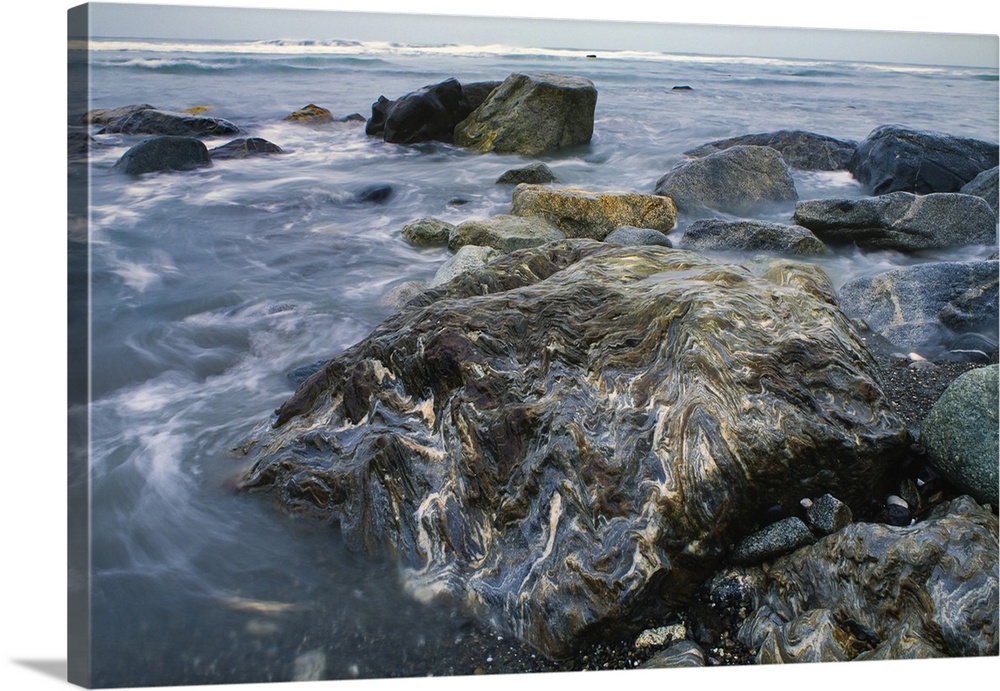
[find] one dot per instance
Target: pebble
(660, 636)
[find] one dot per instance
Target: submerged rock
(630, 235)
(244, 148)
(577, 430)
(894, 159)
(740, 180)
(164, 153)
(960, 434)
(751, 236)
(802, 150)
(901, 221)
(311, 114)
(927, 307)
(535, 174)
(587, 214)
(162, 122)
(872, 591)
(531, 113)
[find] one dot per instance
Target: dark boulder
(103, 116)
(244, 148)
(894, 158)
(477, 92)
(533, 174)
(751, 236)
(427, 114)
(901, 221)
(153, 121)
(987, 186)
(162, 154)
(578, 430)
(801, 150)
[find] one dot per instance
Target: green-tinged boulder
(874, 591)
(576, 431)
(590, 214)
(428, 231)
(961, 434)
(311, 114)
(504, 232)
(467, 258)
(531, 113)
(741, 180)
(901, 221)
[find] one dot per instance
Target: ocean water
(207, 288)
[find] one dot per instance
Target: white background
(33, 459)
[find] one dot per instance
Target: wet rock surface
(504, 232)
(546, 438)
(428, 231)
(244, 148)
(901, 221)
(740, 180)
(162, 122)
(630, 235)
(986, 186)
(927, 307)
(801, 150)
(531, 113)
(894, 158)
(872, 591)
(533, 174)
(427, 114)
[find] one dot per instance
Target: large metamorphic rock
(575, 430)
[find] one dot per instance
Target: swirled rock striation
(576, 431)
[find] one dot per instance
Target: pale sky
(581, 28)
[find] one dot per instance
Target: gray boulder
(504, 232)
(926, 307)
(740, 180)
(771, 541)
(801, 150)
(578, 430)
(985, 185)
(961, 433)
(534, 174)
(898, 159)
(467, 258)
(901, 221)
(162, 122)
(872, 591)
(162, 154)
(751, 236)
(630, 235)
(531, 113)
(593, 214)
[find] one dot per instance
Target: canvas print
(411, 345)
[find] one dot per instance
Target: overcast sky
(586, 28)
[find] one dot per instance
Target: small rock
(592, 214)
(244, 148)
(774, 540)
(467, 258)
(630, 235)
(828, 514)
(311, 114)
(162, 154)
(374, 194)
(535, 174)
(504, 232)
(428, 231)
(660, 636)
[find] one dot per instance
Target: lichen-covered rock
(311, 114)
(588, 214)
(428, 231)
(504, 232)
(162, 122)
(927, 307)
(802, 150)
(894, 159)
(427, 114)
(244, 148)
(961, 433)
(164, 153)
(531, 113)
(576, 430)
(986, 186)
(740, 180)
(534, 174)
(751, 236)
(872, 591)
(901, 221)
